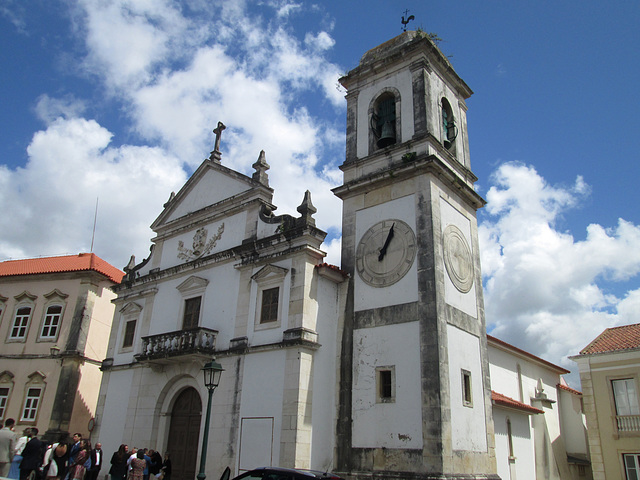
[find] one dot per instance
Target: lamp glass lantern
(212, 372)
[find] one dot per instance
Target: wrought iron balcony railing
(181, 343)
(628, 423)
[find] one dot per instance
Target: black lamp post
(212, 372)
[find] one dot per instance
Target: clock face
(385, 253)
(457, 258)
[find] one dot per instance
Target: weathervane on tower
(404, 22)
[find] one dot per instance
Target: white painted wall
(468, 425)
(114, 416)
(325, 373)
(211, 188)
(573, 425)
(262, 397)
(405, 290)
(387, 425)
(523, 451)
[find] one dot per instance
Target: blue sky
(115, 101)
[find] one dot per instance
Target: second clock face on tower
(385, 253)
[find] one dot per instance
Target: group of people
(139, 464)
(29, 458)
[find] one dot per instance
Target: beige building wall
(607, 443)
(66, 366)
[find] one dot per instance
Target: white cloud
(321, 41)
(54, 196)
(127, 40)
(48, 108)
(545, 291)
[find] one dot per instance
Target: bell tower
(415, 399)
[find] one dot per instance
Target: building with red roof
(538, 418)
(55, 320)
(610, 377)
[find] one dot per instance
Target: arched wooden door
(184, 433)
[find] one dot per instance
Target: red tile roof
(615, 339)
(567, 388)
(68, 263)
(504, 344)
(334, 268)
(504, 401)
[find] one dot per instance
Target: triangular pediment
(210, 185)
(6, 377)
(193, 284)
(131, 308)
(269, 272)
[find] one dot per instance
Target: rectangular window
(31, 404)
(385, 384)
(129, 333)
(51, 321)
(20, 323)
(632, 465)
(269, 310)
(625, 396)
(467, 396)
(191, 313)
(4, 398)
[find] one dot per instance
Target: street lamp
(212, 372)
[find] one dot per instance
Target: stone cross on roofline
(216, 155)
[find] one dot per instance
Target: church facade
(377, 368)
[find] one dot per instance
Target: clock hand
(383, 250)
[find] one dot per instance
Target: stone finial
(171, 197)
(261, 166)
(131, 264)
(306, 209)
(216, 155)
(540, 390)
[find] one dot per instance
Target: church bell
(387, 135)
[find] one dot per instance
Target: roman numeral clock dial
(385, 253)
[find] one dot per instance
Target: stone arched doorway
(184, 433)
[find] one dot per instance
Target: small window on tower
(467, 397)
(449, 129)
(385, 384)
(383, 120)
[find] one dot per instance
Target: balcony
(628, 424)
(182, 345)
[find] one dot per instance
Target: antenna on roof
(404, 22)
(95, 217)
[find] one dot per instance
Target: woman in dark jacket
(166, 467)
(119, 467)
